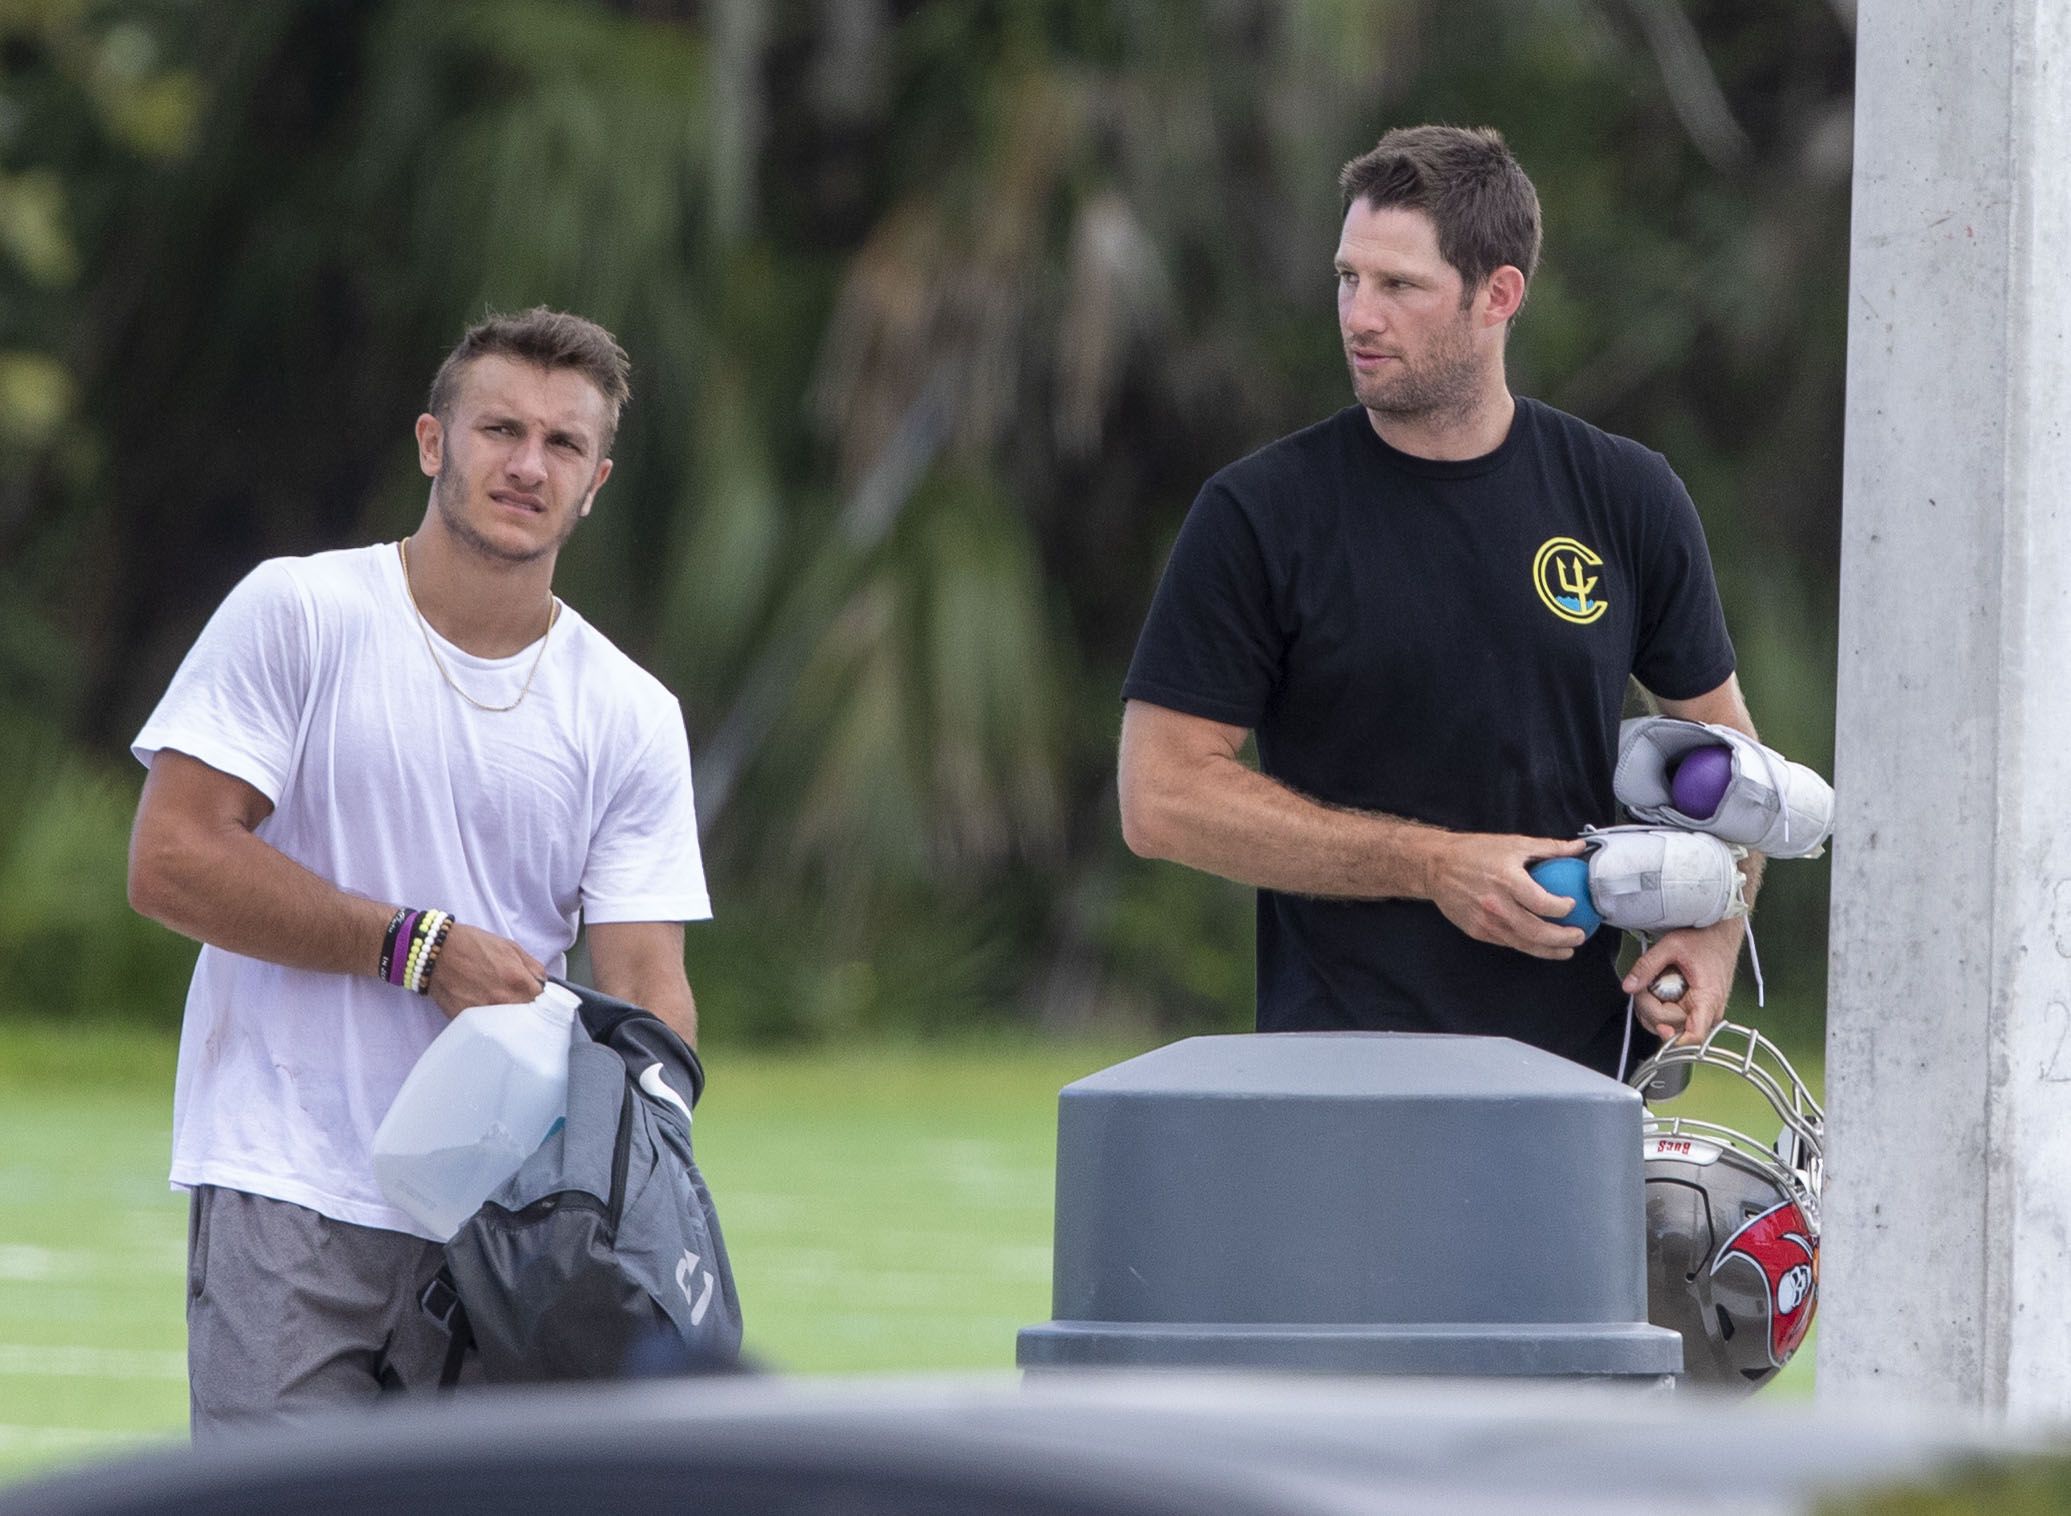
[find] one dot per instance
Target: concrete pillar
(1947, 1255)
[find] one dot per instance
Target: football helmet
(1732, 1223)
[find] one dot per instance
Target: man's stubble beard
(1445, 384)
(453, 513)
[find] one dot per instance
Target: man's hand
(480, 968)
(1705, 957)
(1478, 882)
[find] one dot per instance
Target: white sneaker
(1771, 805)
(1656, 879)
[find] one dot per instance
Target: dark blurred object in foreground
(1121, 1445)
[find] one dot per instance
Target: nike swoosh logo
(652, 1083)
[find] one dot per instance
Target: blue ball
(1569, 877)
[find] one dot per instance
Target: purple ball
(1699, 781)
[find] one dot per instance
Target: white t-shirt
(313, 684)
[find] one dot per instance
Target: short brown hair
(1465, 179)
(551, 339)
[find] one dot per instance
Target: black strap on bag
(441, 1302)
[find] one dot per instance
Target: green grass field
(886, 1210)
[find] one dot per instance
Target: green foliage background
(940, 314)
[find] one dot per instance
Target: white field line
(18, 1439)
(21, 1263)
(28, 1361)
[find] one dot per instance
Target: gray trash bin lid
(1354, 1202)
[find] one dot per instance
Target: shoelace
(1754, 961)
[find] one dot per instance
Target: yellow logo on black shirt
(1564, 575)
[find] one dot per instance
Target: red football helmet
(1732, 1224)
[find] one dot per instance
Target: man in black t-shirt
(1426, 609)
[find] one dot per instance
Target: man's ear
(431, 445)
(1504, 293)
(596, 484)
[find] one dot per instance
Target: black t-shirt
(1448, 642)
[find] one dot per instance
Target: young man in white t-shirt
(387, 784)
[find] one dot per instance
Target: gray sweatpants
(291, 1314)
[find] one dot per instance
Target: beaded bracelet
(411, 946)
(425, 950)
(432, 945)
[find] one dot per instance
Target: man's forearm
(1243, 825)
(222, 885)
(677, 1007)
(665, 993)
(642, 961)
(1186, 798)
(197, 864)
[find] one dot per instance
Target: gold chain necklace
(424, 626)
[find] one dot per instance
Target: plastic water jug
(479, 1102)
